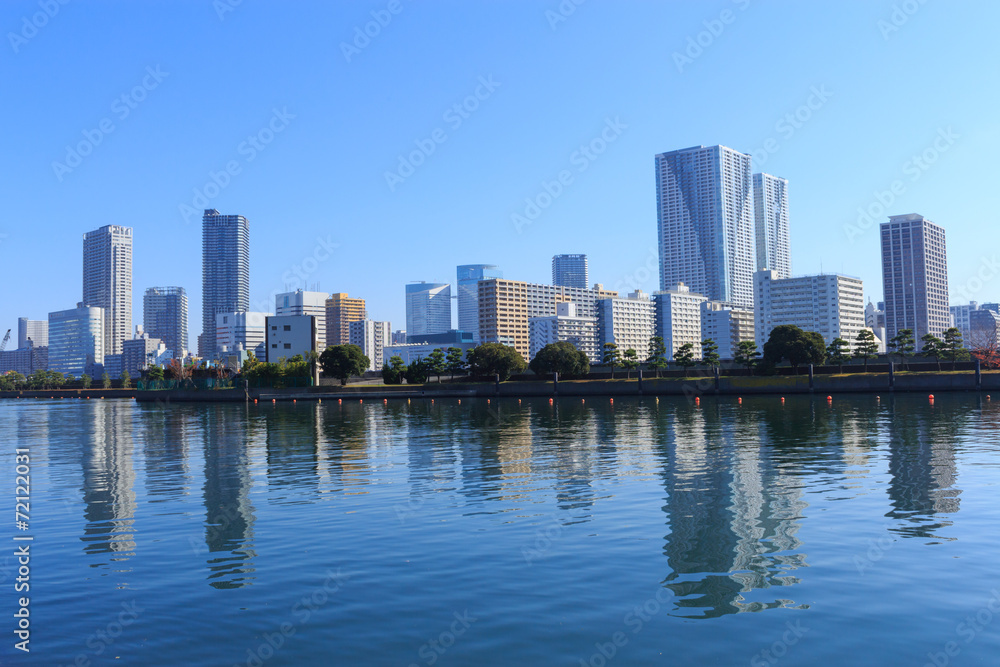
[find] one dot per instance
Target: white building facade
(301, 302)
(830, 304)
(727, 325)
(289, 335)
(372, 337)
(241, 331)
(678, 318)
(627, 322)
(566, 326)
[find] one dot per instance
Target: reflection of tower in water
(229, 513)
(109, 480)
(732, 517)
(923, 471)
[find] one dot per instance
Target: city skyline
(316, 190)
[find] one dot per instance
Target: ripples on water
(559, 525)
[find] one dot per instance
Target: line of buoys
(385, 400)
(255, 400)
(361, 400)
(295, 400)
(612, 401)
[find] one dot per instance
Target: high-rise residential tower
(914, 276)
(770, 207)
(705, 220)
(341, 310)
(107, 281)
(428, 308)
(570, 271)
(165, 316)
(76, 340)
(469, 276)
(225, 272)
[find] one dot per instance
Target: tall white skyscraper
(914, 276)
(704, 208)
(469, 276)
(225, 273)
(428, 308)
(107, 281)
(770, 207)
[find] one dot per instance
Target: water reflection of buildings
(108, 479)
(733, 517)
(229, 521)
(922, 468)
(167, 433)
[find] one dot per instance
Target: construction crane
(6, 338)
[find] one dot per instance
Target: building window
(288, 327)
(288, 346)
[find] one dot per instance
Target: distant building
(469, 276)
(301, 302)
(107, 281)
(372, 337)
(37, 331)
(428, 308)
(570, 271)
(289, 335)
(25, 361)
(165, 316)
(341, 310)
(113, 366)
(139, 353)
(914, 276)
(398, 337)
(960, 319)
(76, 340)
(410, 352)
(505, 306)
(677, 319)
(770, 205)
(705, 219)
(451, 336)
(627, 322)
(225, 271)
(726, 324)
(875, 320)
(240, 331)
(564, 326)
(984, 330)
(829, 304)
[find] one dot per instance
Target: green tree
(394, 371)
(789, 342)
(436, 363)
(417, 372)
(630, 362)
(126, 380)
(562, 358)
(85, 381)
(952, 346)
(838, 352)
(746, 354)
(710, 353)
(865, 346)
(343, 362)
(684, 357)
(491, 359)
(454, 363)
(932, 346)
(903, 344)
(657, 354)
(612, 356)
(11, 381)
(154, 373)
(106, 380)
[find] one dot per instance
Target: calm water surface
(510, 533)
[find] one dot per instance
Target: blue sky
(853, 102)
